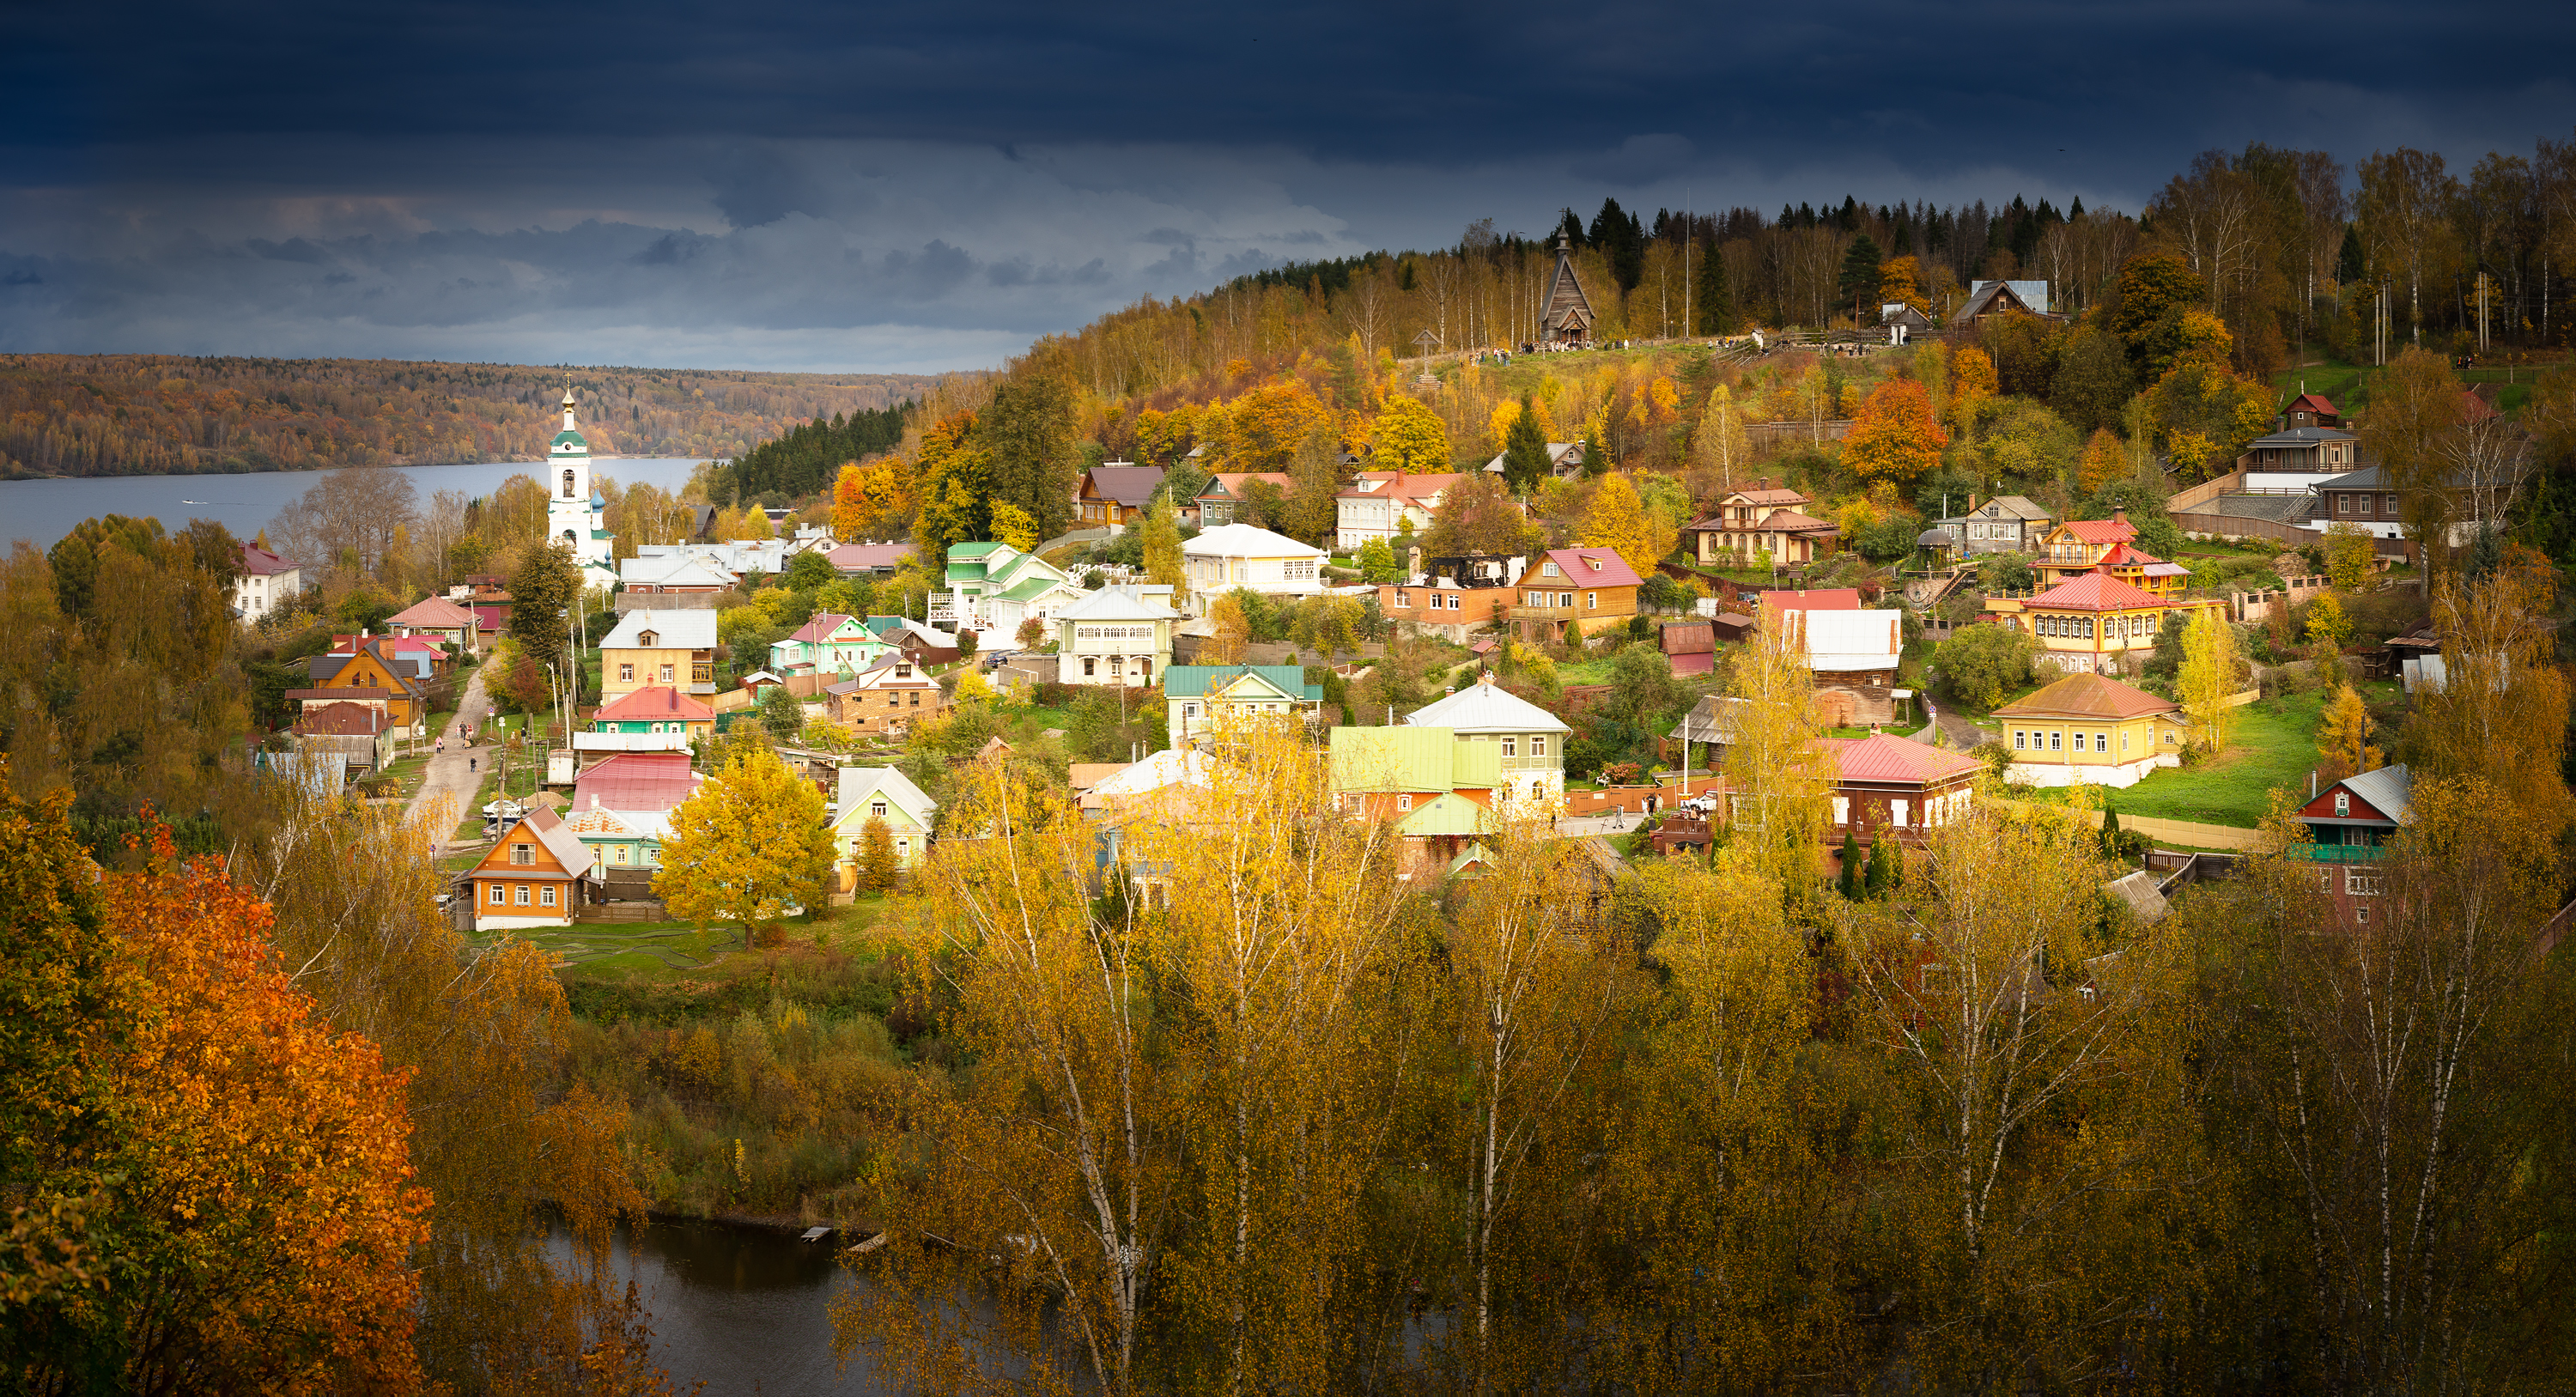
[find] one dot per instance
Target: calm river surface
(42, 511)
(744, 1309)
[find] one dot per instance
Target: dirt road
(448, 775)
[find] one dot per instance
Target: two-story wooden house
(2093, 621)
(1116, 636)
(2366, 499)
(1760, 524)
(1115, 494)
(1221, 501)
(2076, 546)
(2301, 450)
(535, 876)
(1568, 593)
(2091, 729)
(1202, 698)
(374, 676)
(865, 793)
(1529, 742)
(672, 648)
(1889, 785)
(1443, 606)
(2004, 524)
(993, 587)
(2350, 825)
(2144, 571)
(438, 619)
(828, 643)
(1385, 504)
(1240, 555)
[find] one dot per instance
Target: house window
(1592, 601)
(1404, 802)
(877, 808)
(1538, 746)
(620, 853)
(2343, 504)
(2169, 737)
(1547, 570)
(1403, 599)
(625, 674)
(2056, 741)
(2343, 804)
(2361, 915)
(520, 894)
(916, 699)
(666, 674)
(521, 853)
(1842, 810)
(2101, 742)
(1189, 710)
(2124, 740)
(1899, 807)
(903, 847)
(1511, 746)
(2018, 744)
(1090, 667)
(546, 895)
(497, 899)
(2361, 882)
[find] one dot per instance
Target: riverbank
(759, 1085)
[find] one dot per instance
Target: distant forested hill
(143, 414)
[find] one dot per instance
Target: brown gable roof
(2086, 695)
(1131, 486)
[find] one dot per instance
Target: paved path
(1579, 826)
(447, 771)
(1963, 735)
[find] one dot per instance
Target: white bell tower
(574, 512)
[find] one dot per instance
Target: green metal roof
(576, 439)
(1448, 813)
(1194, 681)
(1412, 759)
(1028, 589)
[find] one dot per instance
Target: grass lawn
(632, 952)
(2275, 746)
(409, 773)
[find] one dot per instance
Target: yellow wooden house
(2088, 728)
(2090, 623)
(2078, 545)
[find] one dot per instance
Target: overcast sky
(796, 186)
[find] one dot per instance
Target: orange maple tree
(263, 1204)
(1895, 436)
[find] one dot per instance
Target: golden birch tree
(2208, 678)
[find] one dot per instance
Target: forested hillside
(140, 414)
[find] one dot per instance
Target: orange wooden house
(534, 876)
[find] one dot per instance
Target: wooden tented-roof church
(1569, 312)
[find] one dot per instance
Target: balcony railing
(2338, 853)
(1548, 763)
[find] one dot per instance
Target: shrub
(1982, 663)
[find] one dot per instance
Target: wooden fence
(622, 912)
(2174, 831)
(2239, 526)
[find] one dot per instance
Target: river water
(742, 1308)
(42, 511)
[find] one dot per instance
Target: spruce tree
(1715, 305)
(1850, 884)
(1881, 846)
(1525, 450)
(1859, 282)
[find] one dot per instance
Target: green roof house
(1200, 696)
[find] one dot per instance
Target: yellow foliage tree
(1972, 384)
(1720, 448)
(1233, 631)
(1618, 519)
(2343, 738)
(748, 847)
(2348, 555)
(1012, 525)
(1899, 280)
(2208, 678)
(2329, 622)
(1408, 437)
(871, 500)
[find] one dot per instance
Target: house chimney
(1972, 503)
(2120, 515)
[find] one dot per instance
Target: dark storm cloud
(803, 184)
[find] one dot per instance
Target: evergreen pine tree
(1850, 884)
(2110, 828)
(1859, 282)
(1881, 848)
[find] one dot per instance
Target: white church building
(574, 512)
